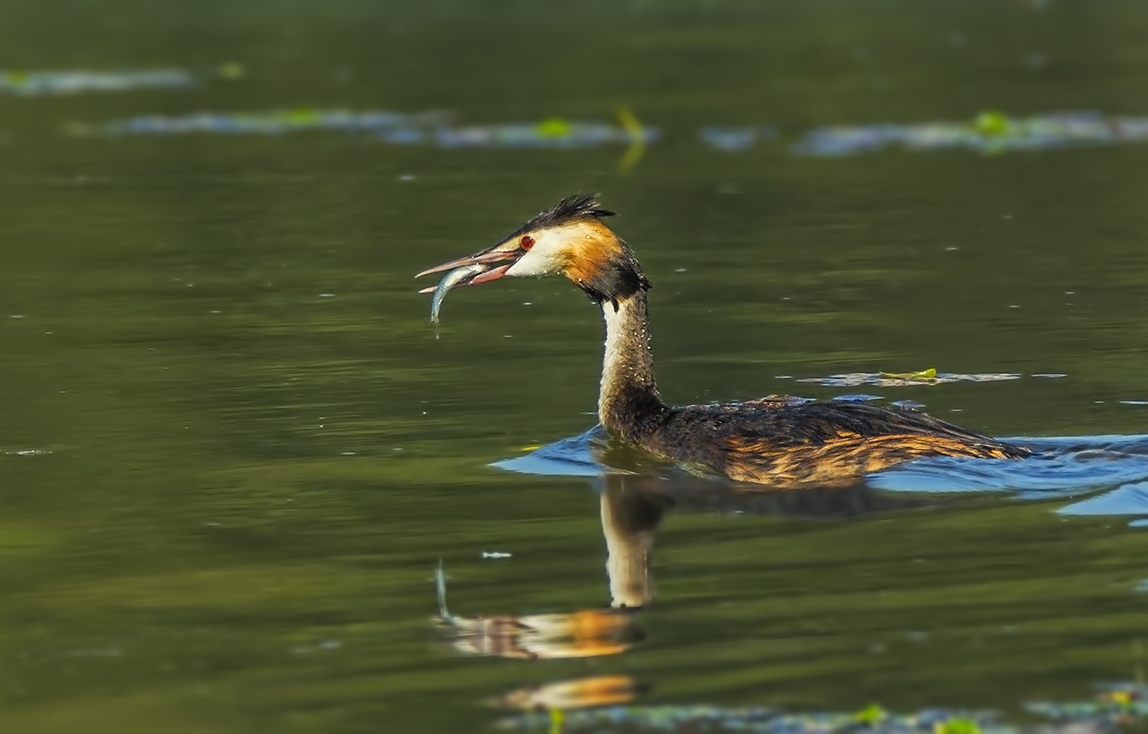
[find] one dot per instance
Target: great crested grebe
(773, 440)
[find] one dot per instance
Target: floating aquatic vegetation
(735, 138)
(763, 720)
(925, 374)
(547, 134)
(274, 122)
(25, 452)
(908, 404)
(904, 379)
(1116, 706)
(33, 83)
(395, 128)
(638, 136)
(989, 132)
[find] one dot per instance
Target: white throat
(627, 366)
(618, 331)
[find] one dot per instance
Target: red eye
(526, 242)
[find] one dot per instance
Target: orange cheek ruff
(591, 250)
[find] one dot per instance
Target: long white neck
(628, 401)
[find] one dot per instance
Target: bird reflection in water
(634, 499)
(596, 690)
(632, 508)
(581, 634)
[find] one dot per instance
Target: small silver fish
(453, 278)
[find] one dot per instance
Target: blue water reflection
(1109, 474)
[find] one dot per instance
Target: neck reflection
(633, 507)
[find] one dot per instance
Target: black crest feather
(618, 279)
(578, 206)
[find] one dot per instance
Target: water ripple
(1109, 474)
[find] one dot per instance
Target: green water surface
(232, 449)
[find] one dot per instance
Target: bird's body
(774, 440)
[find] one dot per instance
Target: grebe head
(570, 240)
